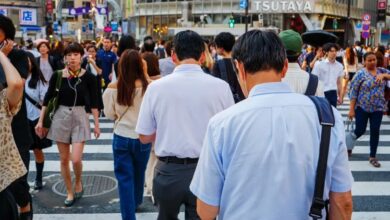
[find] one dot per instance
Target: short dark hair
(148, 38)
(188, 44)
(225, 40)
(8, 27)
(149, 45)
(328, 46)
(43, 43)
(74, 48)
(91, 46)
(126, 42)
(368, 54)
(107, 38)
(292, 56)
(260, 51)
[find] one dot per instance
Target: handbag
(52, 105)
(350, 129)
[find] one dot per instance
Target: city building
(26, 15)
(164, 18)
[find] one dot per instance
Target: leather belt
(176, 160)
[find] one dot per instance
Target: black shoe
(26, 215)
(69, 203)
(38, 184)
(79, 195)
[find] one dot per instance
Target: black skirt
(38, 142)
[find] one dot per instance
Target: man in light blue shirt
(259, 157)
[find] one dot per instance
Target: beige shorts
(70, 125)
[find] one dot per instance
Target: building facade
(26, 16)
(164, 18)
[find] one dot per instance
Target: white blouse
(37, 94)
(126, 126)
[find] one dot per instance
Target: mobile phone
(2, 44)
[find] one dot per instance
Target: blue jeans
(362, 117)
(130, 160)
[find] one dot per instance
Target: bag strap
(120, 118)
(311, 88)
(222, 69)
(327, 121)
(32, 101)
(58, 81)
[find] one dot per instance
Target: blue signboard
(244, 4)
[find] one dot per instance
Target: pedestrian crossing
(371, 189)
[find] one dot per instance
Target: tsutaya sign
(271, 6)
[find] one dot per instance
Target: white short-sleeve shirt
(328, 72)
(260, 157)
(178, 108)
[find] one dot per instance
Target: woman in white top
(35, 89)
(46, 62)
(122, 100)
(350, 67)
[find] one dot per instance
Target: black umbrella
(318, 38)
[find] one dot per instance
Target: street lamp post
(347, 24)
(246, 15)
(92, 14)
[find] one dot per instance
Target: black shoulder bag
(327, 121)
(32, 101)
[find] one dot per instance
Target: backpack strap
(327, 121)
(222, 70)
(311, 88)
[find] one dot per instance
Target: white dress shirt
(328, 73)
(178, 107)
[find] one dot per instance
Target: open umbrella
(318, 38)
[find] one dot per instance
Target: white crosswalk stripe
(371, 184)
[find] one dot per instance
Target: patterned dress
(11, 164)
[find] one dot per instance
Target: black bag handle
(327, 121)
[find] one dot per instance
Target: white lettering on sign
(284, 6)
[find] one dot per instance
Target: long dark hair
(152, 63)
(350, 55)
(130, 69)
(36, 73)
(126, 42)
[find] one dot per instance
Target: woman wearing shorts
(70, 124)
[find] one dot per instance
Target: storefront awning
(26, 28)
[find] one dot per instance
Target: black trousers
(20, 188)
(331, 96)
(171, 189)
(8, 208)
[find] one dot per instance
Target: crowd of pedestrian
(197, 123)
